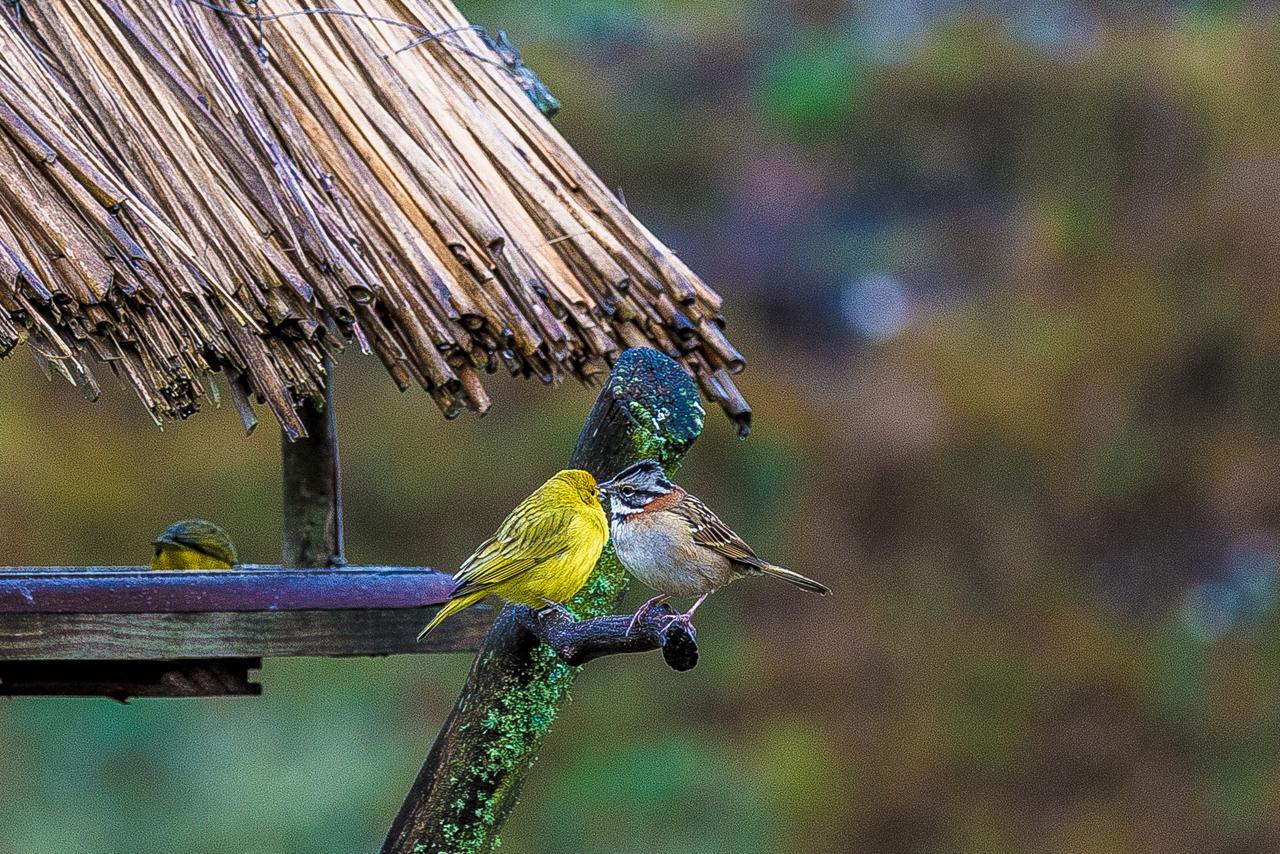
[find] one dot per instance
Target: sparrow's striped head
(633, 488)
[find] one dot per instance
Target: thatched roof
(185, 190)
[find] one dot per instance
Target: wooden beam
(123, 680)
(138, 590)
(312, 479)
(254, 634)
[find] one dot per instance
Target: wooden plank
(138, 590)
(262, 634)
(121, 680)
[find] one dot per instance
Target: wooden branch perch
(580, 641)
(471, 779)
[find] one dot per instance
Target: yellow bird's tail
(450, 608)
(801, 581)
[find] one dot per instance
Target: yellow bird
(542, 554)
(194, 544)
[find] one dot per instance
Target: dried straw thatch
(185, 190)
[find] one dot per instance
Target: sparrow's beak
(606, 487)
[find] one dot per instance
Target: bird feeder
(197, 197)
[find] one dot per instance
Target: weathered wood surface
(254, 611)
(580, 641)
(136, 589)
(256, 634)
(471, 779)
(312, 480)
(121, 680)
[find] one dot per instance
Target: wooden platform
(128, 631)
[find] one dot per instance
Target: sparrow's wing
(707, 530)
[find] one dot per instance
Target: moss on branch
(649, 408)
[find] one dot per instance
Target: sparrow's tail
(451, 607)
(797, 579)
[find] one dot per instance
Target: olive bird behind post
(676, 545)
(193, 544)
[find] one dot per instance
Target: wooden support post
(312, 479)
(649, 408)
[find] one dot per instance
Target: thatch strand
(187, 190)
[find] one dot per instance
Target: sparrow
(542, 553)
(676, 545)
(193, 544)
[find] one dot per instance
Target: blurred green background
(1005, 277)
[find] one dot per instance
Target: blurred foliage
(1004, 273)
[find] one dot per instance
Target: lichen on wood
(648, 408)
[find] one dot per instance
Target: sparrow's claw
(644, 609)
(557, 608)
(685, 619)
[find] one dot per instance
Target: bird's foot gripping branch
(578, 641)
(648, 409)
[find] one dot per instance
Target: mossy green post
(649, 408)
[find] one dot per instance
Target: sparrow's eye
(628, 490)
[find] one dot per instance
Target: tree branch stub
(578, 641)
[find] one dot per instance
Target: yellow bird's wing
(524, 541)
